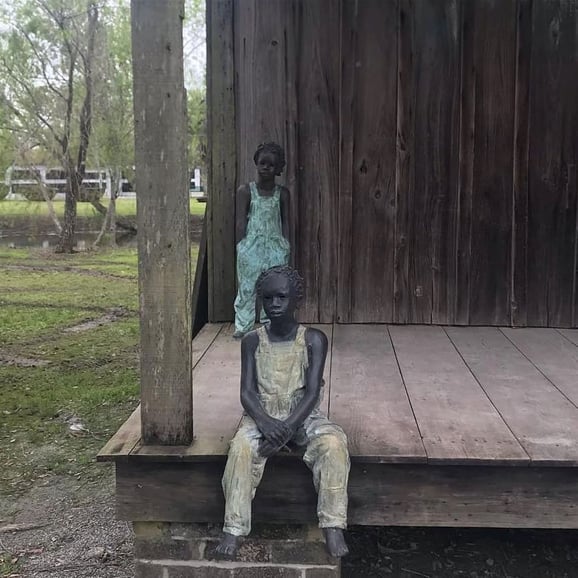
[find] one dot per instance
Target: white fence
(19, 180)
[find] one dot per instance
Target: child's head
(271, 152)
(279, 289)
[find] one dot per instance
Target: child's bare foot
(228, 545)
(335, 542)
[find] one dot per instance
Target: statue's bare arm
(242, 205)
(285, 212)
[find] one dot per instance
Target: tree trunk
(66, 240)
(116, 190)
(109, 222)
(75, 173)
(121, 222)
(50, 206)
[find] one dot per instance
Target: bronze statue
(281, 388)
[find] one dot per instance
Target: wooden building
(431, 156)
(431, 147)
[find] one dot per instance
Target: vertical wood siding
(431, 153)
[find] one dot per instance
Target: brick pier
(174, 550)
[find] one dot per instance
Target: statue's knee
(334, 445)
(240, 447)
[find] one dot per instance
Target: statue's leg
(247, 273)
(328, 459)
(243, 474)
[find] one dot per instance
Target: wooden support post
(222, 172)
(163, 221)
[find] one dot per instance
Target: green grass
(90, 375)
(124, 207)
(67, 289)
(9, 564)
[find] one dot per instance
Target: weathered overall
(281, 370)
(263, 246)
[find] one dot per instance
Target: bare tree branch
(32, 97)
(42, 62)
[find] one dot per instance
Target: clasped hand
(276, 433)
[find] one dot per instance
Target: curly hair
(295, 280)
(274, 149)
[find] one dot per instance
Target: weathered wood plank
(552, 354)
(491, 241)
(426, 223)
(540, 417)
(552, 171)
(368, 137)
(318, 141)
(204, 339)
(222, 153)
(521, 160)
(266, 37)
(163, 221)
(466, 166)
(124, 440)
(345, 258)
(379, 494)
(571, 334)
(402, 312)
(456, 420)
(368, 398)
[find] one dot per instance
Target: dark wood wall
(431, 153)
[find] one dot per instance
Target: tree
(7, 145)
(194, 38)
(113, 142)
(46, 62)
(197, 129)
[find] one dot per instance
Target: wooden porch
(448, 426)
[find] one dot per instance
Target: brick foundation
(171, 550)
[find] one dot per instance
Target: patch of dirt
(38, 305)
(78, 538)
(113, 315)
(7, 359)
(43, 225)
(66, 269)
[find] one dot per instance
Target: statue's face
(278, 297)
(267, 165)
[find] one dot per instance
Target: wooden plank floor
(408, 394)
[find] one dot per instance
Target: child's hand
(268, 449)
(276, 432)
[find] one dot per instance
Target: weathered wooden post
(163, 221)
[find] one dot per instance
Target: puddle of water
(84, 240)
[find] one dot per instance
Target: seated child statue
(281, 387)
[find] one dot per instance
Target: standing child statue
(281, 389)
(262, 230)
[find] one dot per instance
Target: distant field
(124, 207)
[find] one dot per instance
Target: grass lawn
(50, 378)
(124, 207)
